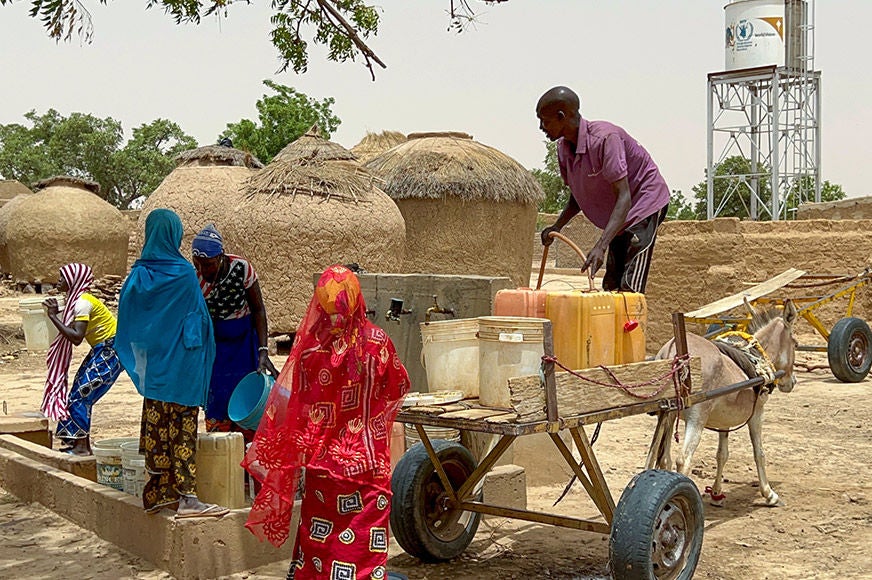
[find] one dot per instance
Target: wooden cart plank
(503, 418)
(435, 409)
(482, 413)
(736, 300)
(576, 396)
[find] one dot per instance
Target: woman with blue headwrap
(165, 344)
(232, 292)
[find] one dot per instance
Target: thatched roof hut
(374, 144)
(205, 182)
(468, 208)
(5, 214)
(9, 188)
(311, 207)
(65, 221)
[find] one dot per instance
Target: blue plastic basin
(249, 400)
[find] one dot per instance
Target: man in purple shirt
(613, 181)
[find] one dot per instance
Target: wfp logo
(744, 31)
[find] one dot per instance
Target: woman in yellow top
(84, 318)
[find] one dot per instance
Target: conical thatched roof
(436, 165)
(68, 181)
(313, 166)
(9, 188)
(217, 155)
(312, 147)
(374, 144)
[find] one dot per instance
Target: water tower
(765, 108)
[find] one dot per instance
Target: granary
(311, 207)
(374, 144)
(9, 188)
(468, 208)
(205, 182)
(12, 193)
(65, 221)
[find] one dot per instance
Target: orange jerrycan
(527, 301)
(631, 325)
(520, 302)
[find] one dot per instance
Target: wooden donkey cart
(656, 527)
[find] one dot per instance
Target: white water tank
(765, 33)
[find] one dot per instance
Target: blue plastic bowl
(249, 400)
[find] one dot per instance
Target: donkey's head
(773, 329)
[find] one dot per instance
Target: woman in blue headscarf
(165, 344)
(232, 292)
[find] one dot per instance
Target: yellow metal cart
(848, 342)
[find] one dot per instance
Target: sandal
(166, 505)
(210, 511)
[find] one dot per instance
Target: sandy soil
(818, 450)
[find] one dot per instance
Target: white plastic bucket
(509, 346)
(39, 332)
(108, 455)
(450, 355)
(446, 433)
(133, 474)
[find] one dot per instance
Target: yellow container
(220, 477)
(631, 326)
(583, 324)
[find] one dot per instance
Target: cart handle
(572, 245)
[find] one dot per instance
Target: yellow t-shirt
(101, 322)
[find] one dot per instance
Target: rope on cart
(680, 366)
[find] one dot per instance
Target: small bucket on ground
(108, 455)
(133, 474)
(249, 400)
(446, 433)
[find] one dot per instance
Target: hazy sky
(641, 64)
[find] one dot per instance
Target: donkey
(773, 330)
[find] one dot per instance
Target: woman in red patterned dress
(331, 412)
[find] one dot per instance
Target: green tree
(556, 192)
(730, 185)
(282, 118)
(140, 166)
(342, 26)
(680, 207)
(731, 182)
(86, 146)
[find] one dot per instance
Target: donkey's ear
(790, 313)
(751, 310)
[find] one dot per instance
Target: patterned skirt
(168, 439)
(343, 533)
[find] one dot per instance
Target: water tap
(437, 310)
(396, 310)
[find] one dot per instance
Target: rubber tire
(413, 472)
(843, 333)
(631, 543)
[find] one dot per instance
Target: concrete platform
(84, 467)
(187, 549)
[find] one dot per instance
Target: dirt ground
(817, 440)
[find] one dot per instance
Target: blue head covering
(164, 338)
(208, 243)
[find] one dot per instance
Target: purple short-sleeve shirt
(604, 154)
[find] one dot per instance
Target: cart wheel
(848, 350)
(657, 528)
(422, 520)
